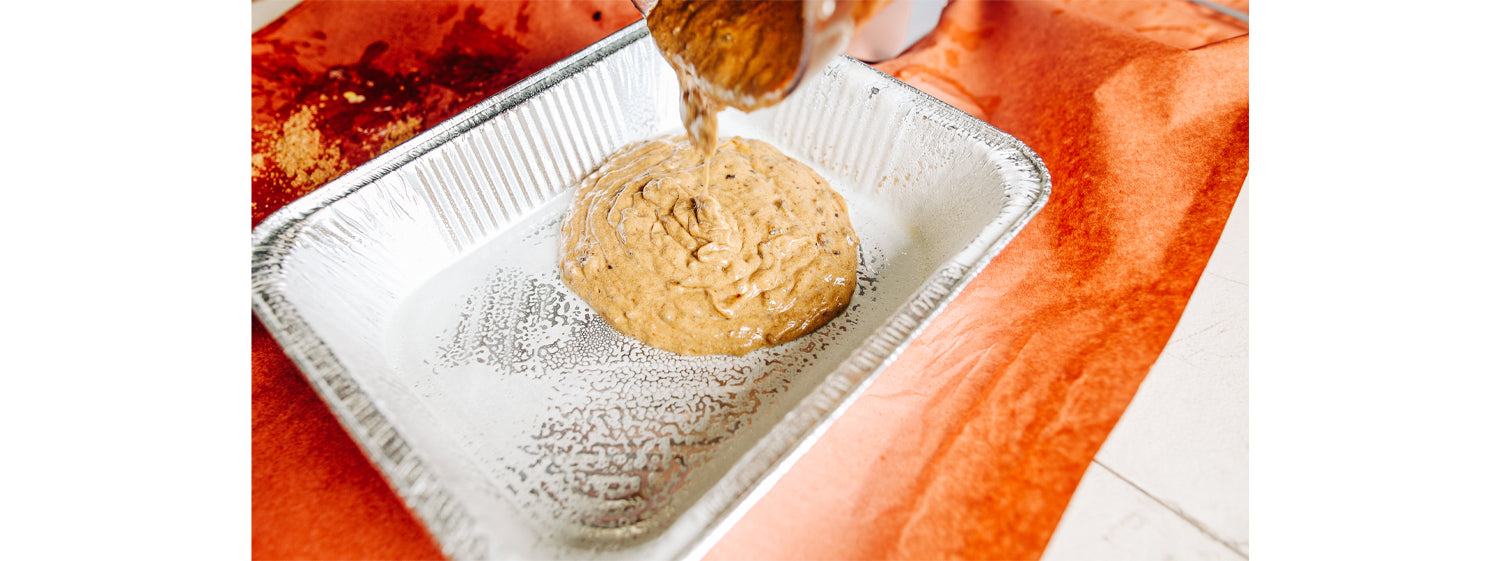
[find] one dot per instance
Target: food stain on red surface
(310, 125)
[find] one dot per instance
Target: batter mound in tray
(755, 250)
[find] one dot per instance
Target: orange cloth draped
(972, 443)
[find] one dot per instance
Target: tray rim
(427, 498)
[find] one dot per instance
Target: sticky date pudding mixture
(760, 254)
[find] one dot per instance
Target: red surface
(971, 444)
(334, 83)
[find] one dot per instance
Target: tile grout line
(1190, 520)
(1245, 284)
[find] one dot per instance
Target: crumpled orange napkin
(971, 444)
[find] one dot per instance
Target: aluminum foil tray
(420, 296)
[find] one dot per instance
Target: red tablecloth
(971, 444)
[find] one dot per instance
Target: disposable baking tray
(420, 295)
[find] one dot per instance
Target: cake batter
(760, 254)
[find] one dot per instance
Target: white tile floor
(1173, 479)
(263, 12)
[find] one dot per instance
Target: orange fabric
(313, 494)
(971, 444)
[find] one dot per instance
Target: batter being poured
(759, 254)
